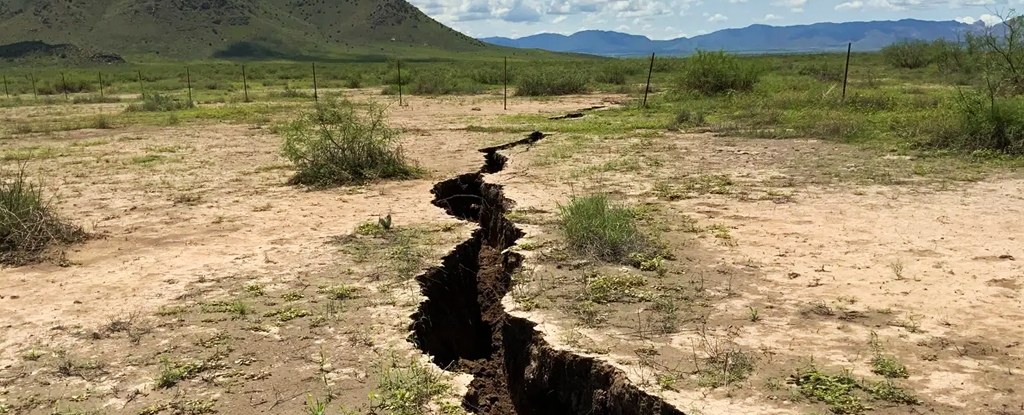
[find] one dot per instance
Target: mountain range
(865, 36)
(232, 28)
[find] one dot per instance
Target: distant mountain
(230, 28)
(865, 36)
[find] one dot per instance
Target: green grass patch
(595, 226)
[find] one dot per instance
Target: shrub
(985, 123)
(909, 54)
(686, 119)
(822, 72)
(594, 226)
(713, 73)
(615, 74)
(544, 82)
(489, 76)
(159, 103)
(334, 145)
(28, 225)
(439, 81)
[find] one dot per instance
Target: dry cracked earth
(209, 286)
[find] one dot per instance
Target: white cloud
(718, 17)
(850, 5)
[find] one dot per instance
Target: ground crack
(463, 326)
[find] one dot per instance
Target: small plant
(341, 292)
(335, 145)
(288, 314)
(687, 119)
(172, 372)
(667, 319)
(595, 226)
(255, 290)
(714, 73)
(32, 355)
(888, 366)
(755, 315)
(836, 391)
(889, 392)
(314, 406)
(603, 289)
(159, 103)
(897, 269)
(725, 362)
(28, 224)
(407, 388)
(547, 82)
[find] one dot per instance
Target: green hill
(196, 29)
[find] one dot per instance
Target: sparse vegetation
(157, 102)
(336, 145)
(845, 395)
(409, 388)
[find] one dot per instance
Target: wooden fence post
(649, 73)
(316, 96)
(64, 83)
(245, 84)
(188, 83)
(846, 77)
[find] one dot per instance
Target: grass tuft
(28, 224)
(593, 225)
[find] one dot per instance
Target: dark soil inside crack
(464, 327)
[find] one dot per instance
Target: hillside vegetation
(231, 28)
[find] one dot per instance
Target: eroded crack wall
(464, 327)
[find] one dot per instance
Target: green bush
(546, 82)
(335, 145)
(714, 73)
(28, 225)
(159, 103)
(909, 54)
(615, 74)
(489, 76)
(985, 124)
(440, 81)
(822, 71)
(594, 226)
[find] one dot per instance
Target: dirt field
(211, 286)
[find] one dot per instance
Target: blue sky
(666, 19)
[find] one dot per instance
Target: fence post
(650, 72)
(245, 84)
(100, 76)
(316, 96)
(506, 83)
(846, 77)
(35, 91)
(64, 82)
(142, 88)
(188, 82)
(6, 91)
(400, 83)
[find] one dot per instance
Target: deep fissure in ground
(464, 327)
